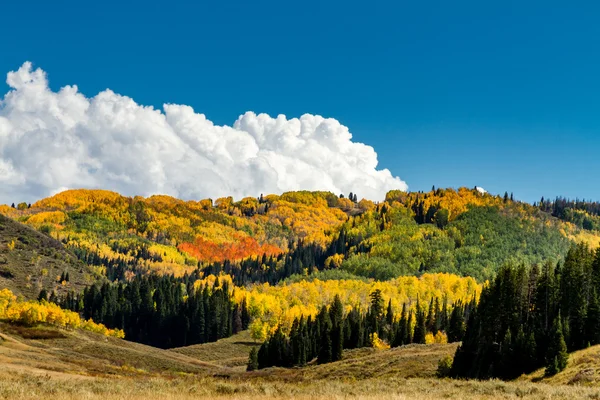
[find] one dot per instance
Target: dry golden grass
(230, 352)
(583, 370)
(84, 365)
(29, 386)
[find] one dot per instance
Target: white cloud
(55, 140)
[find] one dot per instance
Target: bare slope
(30, 261)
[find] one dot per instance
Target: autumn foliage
(33, 312)
(242, 247)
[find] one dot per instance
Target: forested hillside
(270, 238)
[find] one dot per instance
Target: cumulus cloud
(51, 141)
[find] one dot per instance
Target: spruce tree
(252, 360)
(430, 321)
(400, 335)
(592, 322)
(507, 368)
(420, 327)
(326, 351)
(556, 356)
(43, 295)
(409, 336)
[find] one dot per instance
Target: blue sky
(504, 95)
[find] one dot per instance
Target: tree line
(163, 311)
(585, 214)
(325, 336)
(530, 318)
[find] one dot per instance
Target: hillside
(230, 352)
(270, 238)
(30, 261)
(583, 369)
(85, 354)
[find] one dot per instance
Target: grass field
(230, 352)
(45, 362)
(583, 370)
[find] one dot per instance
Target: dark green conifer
(556, 356)
(252, 360)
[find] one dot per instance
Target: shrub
(444, 367)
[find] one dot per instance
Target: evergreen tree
(592, 323)
(420, 328)
(506, 369)
(252, 360)
(326, 347)
(409, 336)
(388, 333)
(400, 338)
(336, 313)
(430, 321)
(557, 356)
(456, 325)
(43, 295)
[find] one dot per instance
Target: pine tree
(401, 332)
(326, 351)
(336, 313)
(389, 316)
(388, 333)
(376, 311)
(43, 295)
(592, 323)
(556, 356)
(263, 356)
(326, 347)
(420, 328)
(430, 321)
(409, 336)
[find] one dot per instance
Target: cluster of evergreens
(527, 319)
(115, 267)
(560, 204)
(325, 336)
(163, 311)
(301, 259)
(585, 214)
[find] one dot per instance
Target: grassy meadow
(44, 362)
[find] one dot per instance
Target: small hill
(30, 261)
(54, 351)
(583, 369)
(229, 352)
(412, 361)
